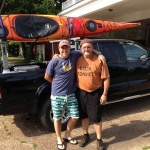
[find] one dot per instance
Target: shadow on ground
(31, 126)
(124, 108)
(127, 132)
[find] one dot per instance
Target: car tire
(46, 116)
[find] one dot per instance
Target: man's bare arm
(48, 77)
(103, 98)
(106, 85)
(102, 59)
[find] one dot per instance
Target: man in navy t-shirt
(61, 73)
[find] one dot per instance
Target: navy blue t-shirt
(63, 71)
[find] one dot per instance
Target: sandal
(71, 141)
(61, 146)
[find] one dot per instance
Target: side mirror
(143, 58)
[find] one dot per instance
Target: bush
(13, 49)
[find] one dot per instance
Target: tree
(58, 4)
(51, 7)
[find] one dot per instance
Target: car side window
(109, 49)
(134, 51)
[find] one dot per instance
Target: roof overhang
(116, 10)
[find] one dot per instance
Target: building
(114, 10)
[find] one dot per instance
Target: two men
(62, 73)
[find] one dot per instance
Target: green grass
(146, 148)
(34, 145)
(23, 141)
(15, 60)
(18, 61)
(6, 129)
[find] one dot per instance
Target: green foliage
(16, 60)
(46, 7)
(27, 54)
(146, 148)
(38, 58)
(34, 145)
(32, 7)
(51, 7)
(13, 49)
(18, 7)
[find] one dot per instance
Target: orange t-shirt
(90, 73)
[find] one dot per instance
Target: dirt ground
(126, 126)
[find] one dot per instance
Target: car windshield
(134, 51)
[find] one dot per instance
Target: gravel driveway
(126, 126)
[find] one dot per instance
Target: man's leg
(82, 98)
(71, 124)
(72, 110)
(85, 138)
(85, 125)
(98, 129)
(57, 113)
(57, 126)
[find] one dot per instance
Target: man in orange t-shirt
(91, 76)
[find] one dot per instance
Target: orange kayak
(33, 27)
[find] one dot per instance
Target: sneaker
(100, 145)
(84, 141)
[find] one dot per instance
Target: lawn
(16, 60)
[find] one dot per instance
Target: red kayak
(33, 27)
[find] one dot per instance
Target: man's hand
(55, 56)
(102, 59)
(103, 99)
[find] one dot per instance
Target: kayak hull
(34, 27)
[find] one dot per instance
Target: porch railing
(69, 3)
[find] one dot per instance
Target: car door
(117, 68)
(18, 90)
(138, 66)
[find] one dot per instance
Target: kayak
(34, 27)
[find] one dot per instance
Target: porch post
(3, 43)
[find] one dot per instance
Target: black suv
(26, 91)
(129, 67)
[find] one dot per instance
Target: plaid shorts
(67, 105)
